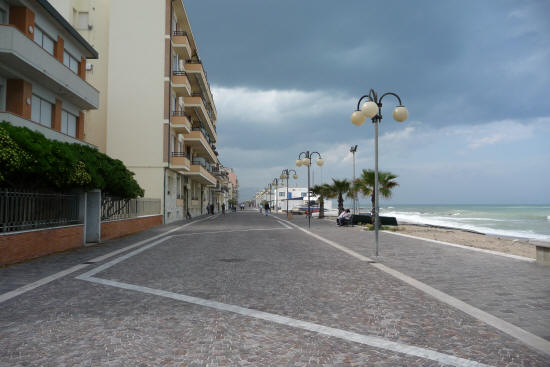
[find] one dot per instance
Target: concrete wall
(17, 247)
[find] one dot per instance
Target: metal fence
(21, 210)
(115, 208)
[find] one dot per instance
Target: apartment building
(43, 71)
(157, 113)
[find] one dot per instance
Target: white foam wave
(417, 218)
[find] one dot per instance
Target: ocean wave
(449, 222)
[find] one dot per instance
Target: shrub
(29, 160)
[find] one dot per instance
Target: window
(83, 20)
(70, 62)
(3, 17)
(282, 193)
(41, 111)
(43, 40)
(68, 123)
(304, 194)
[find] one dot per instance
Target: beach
(509, 245)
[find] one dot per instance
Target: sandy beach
(520, 247)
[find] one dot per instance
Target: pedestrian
(212, 209)
(266, 208)
(223, 208)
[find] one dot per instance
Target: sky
(475, 76)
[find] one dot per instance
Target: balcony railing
(179, 154)
(204, 133)
(181, 113)
(179, 33)
(203, 164)
(179, 73)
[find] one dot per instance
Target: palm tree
(340, 188)
(365, 184)
(324, 192)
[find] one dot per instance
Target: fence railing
(22, 211)
(116, 208)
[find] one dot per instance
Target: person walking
(223, 208)
(266, 208)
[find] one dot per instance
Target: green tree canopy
(324, 192)
(28, 160)
(340, 188)
(365, 184)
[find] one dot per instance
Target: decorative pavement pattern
(238, 290)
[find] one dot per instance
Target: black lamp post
(306, 161)
(284, 175)
(373, 109)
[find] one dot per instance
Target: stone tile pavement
(513, 290)
(241, 259)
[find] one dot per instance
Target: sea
(519, 221)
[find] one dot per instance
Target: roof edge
(54, 13)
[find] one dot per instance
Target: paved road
(241, 289)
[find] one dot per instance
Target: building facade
(157, 113)
(43, 71)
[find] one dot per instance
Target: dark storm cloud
(449, 59)
(475, 76)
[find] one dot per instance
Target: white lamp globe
(306, 161)
(295, 177)
(299, 162)
(320, 162)
(358, 118)
(369, 109)
(400, 113)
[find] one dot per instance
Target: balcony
(180, 122)
(181, 44)
(195, 67)
(18, 52)
(197, 103)
(200, 174)
(199, 142)
(179, 161)
(180, 83)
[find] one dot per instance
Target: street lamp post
(353, 149)
(276, 183)
(269, 188)
(373, 109)
(284, 175)
(307, 162)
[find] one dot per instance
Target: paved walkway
(242, 289)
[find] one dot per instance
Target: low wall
(123, 227)
(20, 246)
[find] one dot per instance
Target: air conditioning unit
(89, 66)
(182, 65)
(180, 102)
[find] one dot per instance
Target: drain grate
(231, 260)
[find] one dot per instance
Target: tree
(29, 160)
(324, 192)
(340, 188)
(365, 184)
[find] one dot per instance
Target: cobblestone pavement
(246, 260)
(513, 290)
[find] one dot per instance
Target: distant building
(157, 113)
(43, 71)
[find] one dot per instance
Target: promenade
(246, 289)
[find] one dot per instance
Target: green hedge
(29, 160)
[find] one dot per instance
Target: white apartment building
(157, 113)
(42, 71)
